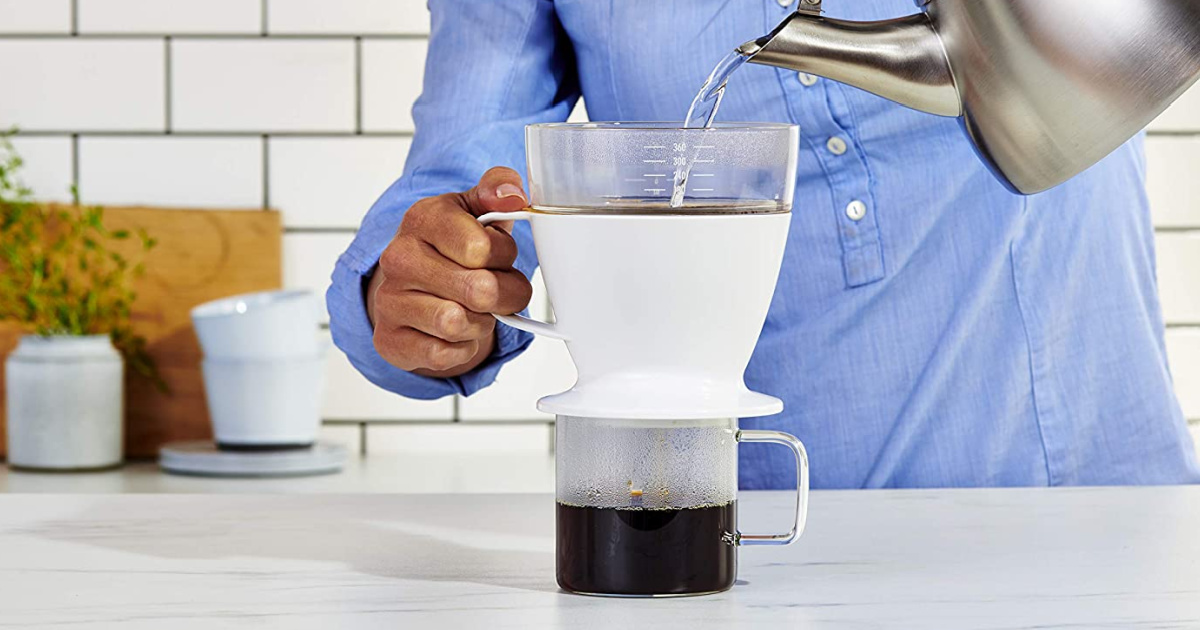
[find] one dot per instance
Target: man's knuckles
(402, 258)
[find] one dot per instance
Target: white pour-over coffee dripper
(660, 307)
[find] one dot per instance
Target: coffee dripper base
(653, 402)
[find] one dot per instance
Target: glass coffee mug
(649, 508)
(660, 305)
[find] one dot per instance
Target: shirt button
(836, 145)
(856, 210)
(806, 79)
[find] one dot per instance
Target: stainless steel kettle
(1044, 88)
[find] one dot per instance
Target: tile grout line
(362, 439)
(507, 422)
(167, 91)
(51, 133)
(1172, 133)
(396, 133)
(75, 164)
(320, 230)
(262, 18)
(74, 18)
(455, 409)
(232, 36)
(1176, 229)
(358, 87)
(266, 172)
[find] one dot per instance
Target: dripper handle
(797, 448)
(521, 322)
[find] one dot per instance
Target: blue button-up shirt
(954, 335)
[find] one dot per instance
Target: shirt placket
(827, 129)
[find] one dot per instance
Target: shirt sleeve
(491, 69)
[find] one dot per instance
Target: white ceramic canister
(65, 403)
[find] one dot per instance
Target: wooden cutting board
(201, 255)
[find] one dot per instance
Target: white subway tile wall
(35, 16)
(305, 106)
(174, 171)
(350, 397)
(1173, 181)
(1181, 116)
(263, 85)
(579, 114)
(1179, 276)
(357, 17)
(483, 439)
(308, 259)
(48, 170)
(330, 182)
(347, 435)
(76, 84)
(176, 17)
(392, 72)
(1183, 348)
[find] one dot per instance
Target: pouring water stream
(703, 111)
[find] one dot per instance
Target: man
(929, 328)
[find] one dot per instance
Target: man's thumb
(499, 190)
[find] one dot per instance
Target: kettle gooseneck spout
(1043, 90)
(902, 60)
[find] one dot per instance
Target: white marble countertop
(1021, 558)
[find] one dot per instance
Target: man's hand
(431, 298)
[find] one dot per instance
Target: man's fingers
(432, 315)
(417, 265)
(461, 238)
(441, 222)
(410, 349)
(443, 275)
(499, 190)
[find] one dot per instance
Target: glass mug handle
(521, 322)
(797, 448)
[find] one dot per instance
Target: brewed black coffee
(643, 551)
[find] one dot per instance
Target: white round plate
(204, 459)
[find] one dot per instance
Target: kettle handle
(521, 322)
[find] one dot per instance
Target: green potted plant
(64, 284)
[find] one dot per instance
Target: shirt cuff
(353, 334)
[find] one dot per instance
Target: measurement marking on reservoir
(655, 146)
(658, 161)
(702, 190)
(703, 161)
(654, 174)
(702, 174)
(655, 190)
